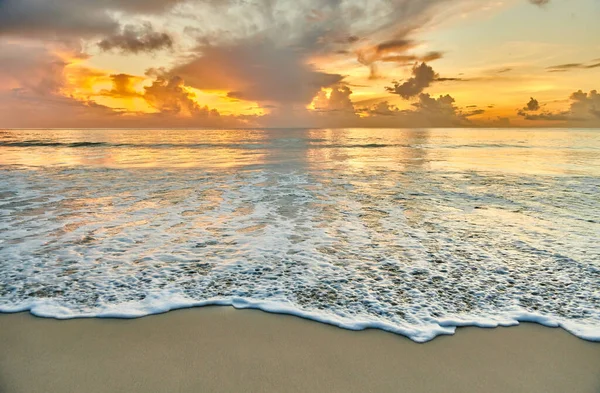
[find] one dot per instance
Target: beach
(221, 349)
(299, 196)
(122, 252)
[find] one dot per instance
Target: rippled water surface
(412, 231)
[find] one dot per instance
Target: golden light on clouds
(343, 65)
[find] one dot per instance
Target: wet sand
(220, 349)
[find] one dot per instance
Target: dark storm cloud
(266, 57)
(539, 2)
(70, 19)
(136, 39)
(532, 106)
(423, 76)
(256, 70)
(53, 18)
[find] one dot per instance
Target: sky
(302, 63)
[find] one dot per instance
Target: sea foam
(357, 239)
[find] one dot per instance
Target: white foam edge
(161, 303)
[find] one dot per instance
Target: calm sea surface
(414, 231)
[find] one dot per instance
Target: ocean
(413, 231)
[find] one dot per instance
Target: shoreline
(444, 327)
(226, 349)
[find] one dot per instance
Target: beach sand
(220, 349)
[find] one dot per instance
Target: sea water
(414, 231)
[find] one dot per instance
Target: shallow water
(412, 231)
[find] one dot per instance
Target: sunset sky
(304, 63)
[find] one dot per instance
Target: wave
(312, 144)
(412, 253)
(38, 143)
(366, 146)
(162, 303)
(487, 146)
(308, 143)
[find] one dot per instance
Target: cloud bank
(584, 111)
(276, 55)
